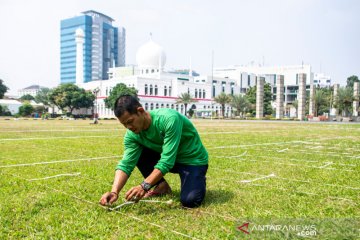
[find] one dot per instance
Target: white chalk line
(327, 164)
(283, 150)
(290, 179)
(56, 176)
(54, 162)
(169, 202)
(55, 138)
(126, 215)
(256, 179)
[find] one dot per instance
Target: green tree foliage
(350, 81)
(26, 97)
(3, 89)
(223, 99)
(26, 109)
(185, 98)
(119, 90)
(72, 97)
(344, 100)
(251, 96)
(240, 103)
(43, 96)
(4, 111)
(321, 101)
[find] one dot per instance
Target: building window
(146, 106)
(146, 89)
(232, 89)
(167, 105)
(147, 71)
(172, 106)
(181, 108)
(162, 105)
(196, 93)
(156, 90)
(170, 91)
(151, 106)
(213, 93)
(188, 90)
(204, 96)
(223, 86)
(165, 91)
(152, 70)
(151, 89)
(248, 80)
(157, 106)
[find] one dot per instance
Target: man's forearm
(119, 181)
(154, 177)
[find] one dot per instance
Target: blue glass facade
(98, 56)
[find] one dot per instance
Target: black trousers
(193, 180)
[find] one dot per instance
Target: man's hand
(108, 198)
(135, 194)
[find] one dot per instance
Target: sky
(322, 33)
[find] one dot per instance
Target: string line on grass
(97, 204)
(291, 164)
(290, 179)
(54, 162)
(56, 176)
(55, 138)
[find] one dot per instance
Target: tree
(3, 89)
(240, 103)
(26, 97)
(4, 111)
(26, 109)
(321, 101)
(185, 98)
(43, 96)
(223, 99)
(117, 91)
(71, 96)
(251, 95)
(344, 100)
(350, 81)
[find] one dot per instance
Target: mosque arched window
(204, 96)
(156, 90)
(157, 106)
(151, 89)
(170, 91)
(146, 106)
(196, 93)
(165, 91)
(146, 89)
(151, 106)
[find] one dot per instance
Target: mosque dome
(149, 56)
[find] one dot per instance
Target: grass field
(53, 173)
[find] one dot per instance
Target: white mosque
(160, 89)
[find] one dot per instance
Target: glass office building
(104, 46)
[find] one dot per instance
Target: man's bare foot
(162, 189)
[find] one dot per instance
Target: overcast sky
(322, 33)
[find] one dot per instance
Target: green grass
(316, 181)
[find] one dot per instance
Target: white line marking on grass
(53, 138)
(283, 150)
(53, 162)
(327, 164)
(126, 215)
(55, 176)
(256, 179)
(169, 202)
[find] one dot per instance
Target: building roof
(33, 87)
(90, 12)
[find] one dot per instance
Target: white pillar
(279, 96)
(336, 90)
(312, 100)
(79, 39)
(356, 100)
(259, 97)
(301, 97)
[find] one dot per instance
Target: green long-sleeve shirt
(172, 135)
